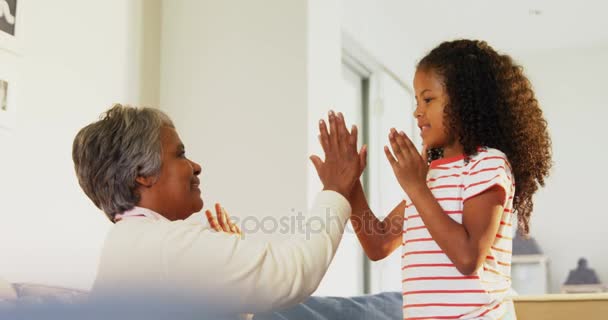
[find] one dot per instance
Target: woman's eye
(428, 100)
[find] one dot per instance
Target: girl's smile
(431, 101)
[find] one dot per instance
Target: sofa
(387, 305)
(383, 306)
(22, 295)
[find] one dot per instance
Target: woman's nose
(196, 167)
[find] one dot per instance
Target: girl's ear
(145, 182)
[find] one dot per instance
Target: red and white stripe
(432, 286)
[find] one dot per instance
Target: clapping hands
(342, 165)
(409, 166)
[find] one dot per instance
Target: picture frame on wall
(10, 53)
(8, 90)
(9, 26)
(3, 95)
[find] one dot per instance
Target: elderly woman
(132, 165)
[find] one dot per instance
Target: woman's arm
(258, 275)
(265, 275)
(378, 238)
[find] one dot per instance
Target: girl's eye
(181, 154)
(428, 100)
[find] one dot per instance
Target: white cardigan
(250, 275)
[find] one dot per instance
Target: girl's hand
(223, 222)
(409, 166)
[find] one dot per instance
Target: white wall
(245, 83)
(569, 219)
(374, 27)
(329, 89)
(369, 26)
(146, 18)
(571, 86)
(241, 80)
(77, 58)
(234, 80)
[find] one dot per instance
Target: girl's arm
(378, 238)
(466, 244)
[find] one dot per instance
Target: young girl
(485, 152)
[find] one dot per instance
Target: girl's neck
(453, 150)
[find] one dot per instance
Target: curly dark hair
(492, 104)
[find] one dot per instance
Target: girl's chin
(429, 144)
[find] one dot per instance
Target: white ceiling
(515, 24)
(399, 32)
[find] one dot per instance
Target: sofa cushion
(7, 292)
(32, 293)
(382, 306)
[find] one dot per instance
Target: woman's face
(176, 191)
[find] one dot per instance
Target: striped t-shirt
(432, 286)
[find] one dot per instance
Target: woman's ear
(145, 182)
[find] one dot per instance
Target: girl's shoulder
(487, 153)
(487, 156)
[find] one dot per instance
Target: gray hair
(111, 153)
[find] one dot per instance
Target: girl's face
(431, 100)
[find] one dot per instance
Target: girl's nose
(417, 112)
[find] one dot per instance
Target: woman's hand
(223, 222)
(342, 166)
(409, 166)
